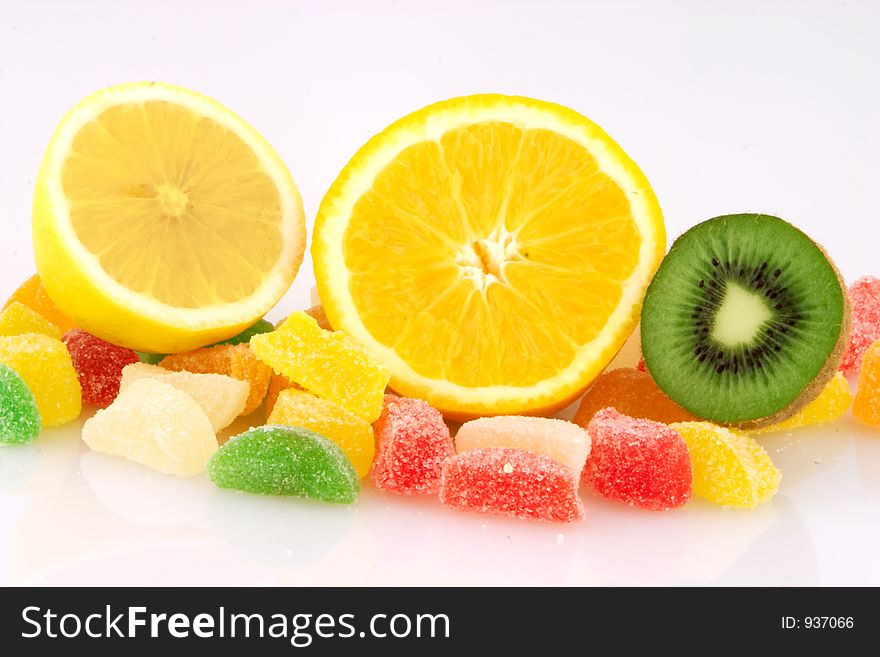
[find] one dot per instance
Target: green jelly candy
(150, 359)
(19, 417)
(283, 460)
(262, 326)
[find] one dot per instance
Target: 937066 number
(818, 623)
(831, 622)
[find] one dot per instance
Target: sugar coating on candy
(557, 439)
(44, 364)
(237, 361)
(282, 460)
(221, 397)
(32, 294)
(867, 403)
(511, 482)
(276, 384)
(261, 326)
(730, 468)
(641, 463)
(633, 393)
(412, 443)
(831, 404)
(298, 408)
(17, 318)
(19, 416)
(864, 298)
(155, 424)
(325, 363)
(98, 366)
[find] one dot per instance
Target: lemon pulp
(164, 197)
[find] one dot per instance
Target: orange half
(492, 251)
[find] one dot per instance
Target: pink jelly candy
(864, 297)
(511, 482)
(98, 366)
(413, 441)
(638, 462)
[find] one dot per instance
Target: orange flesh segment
(511, 259)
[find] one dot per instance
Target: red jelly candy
(864, 297)
(638, 462)
(511, 482)
(413, 441)
(98, 366)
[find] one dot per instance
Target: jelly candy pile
(324, 424)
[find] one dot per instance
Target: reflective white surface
(726, 107)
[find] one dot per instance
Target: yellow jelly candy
(325, 363)
(834, 400)
(297, 408)
(155, 424)
(221, 397)
(17, 318)
(237, 361)
(867, 405)
(46, 368)
(730, 468)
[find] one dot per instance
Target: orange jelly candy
(237, 361)
(866, 406)
(633, 393)
(317, 313)
(32, 294)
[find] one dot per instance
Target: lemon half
(162, 221)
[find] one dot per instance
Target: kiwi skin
(825, 375)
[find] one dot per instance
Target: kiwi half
(745, 321)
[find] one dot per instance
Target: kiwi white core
(740, 317)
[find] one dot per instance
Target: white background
(727, 107)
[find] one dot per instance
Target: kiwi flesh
(745, 321)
